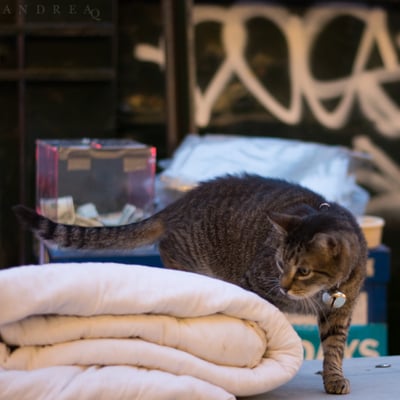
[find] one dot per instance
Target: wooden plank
(59, 74)
(102, 29)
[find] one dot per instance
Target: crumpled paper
(321, 168)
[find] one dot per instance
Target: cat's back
(249, 192)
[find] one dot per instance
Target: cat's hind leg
(170, 262)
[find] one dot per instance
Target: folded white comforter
(113, 331)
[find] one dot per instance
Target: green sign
(363, 341)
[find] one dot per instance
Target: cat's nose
(285, 283)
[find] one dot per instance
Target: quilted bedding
(106, 330)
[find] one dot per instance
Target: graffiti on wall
(362, 85)
(383, 180)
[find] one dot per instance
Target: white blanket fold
(151, 333)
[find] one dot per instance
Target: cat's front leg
(333, 327)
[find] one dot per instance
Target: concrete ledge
(367, 381)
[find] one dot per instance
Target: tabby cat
(277, 239)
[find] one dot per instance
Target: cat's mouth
(295, 294)
(292, 296)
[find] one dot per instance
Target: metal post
(180, 70)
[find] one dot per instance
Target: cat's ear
(327, 243)
(283, 222)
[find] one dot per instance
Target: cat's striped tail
(123, 237)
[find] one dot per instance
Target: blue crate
(148, 256)
(378, 275)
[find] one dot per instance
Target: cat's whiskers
(321, 310)
(315, 306)
(273, 285)
(312, 305)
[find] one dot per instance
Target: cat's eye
(303, 271)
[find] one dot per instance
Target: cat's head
(317, 252)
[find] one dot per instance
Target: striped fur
(266, 235)
(93, 238)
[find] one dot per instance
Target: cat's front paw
(336, 385)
